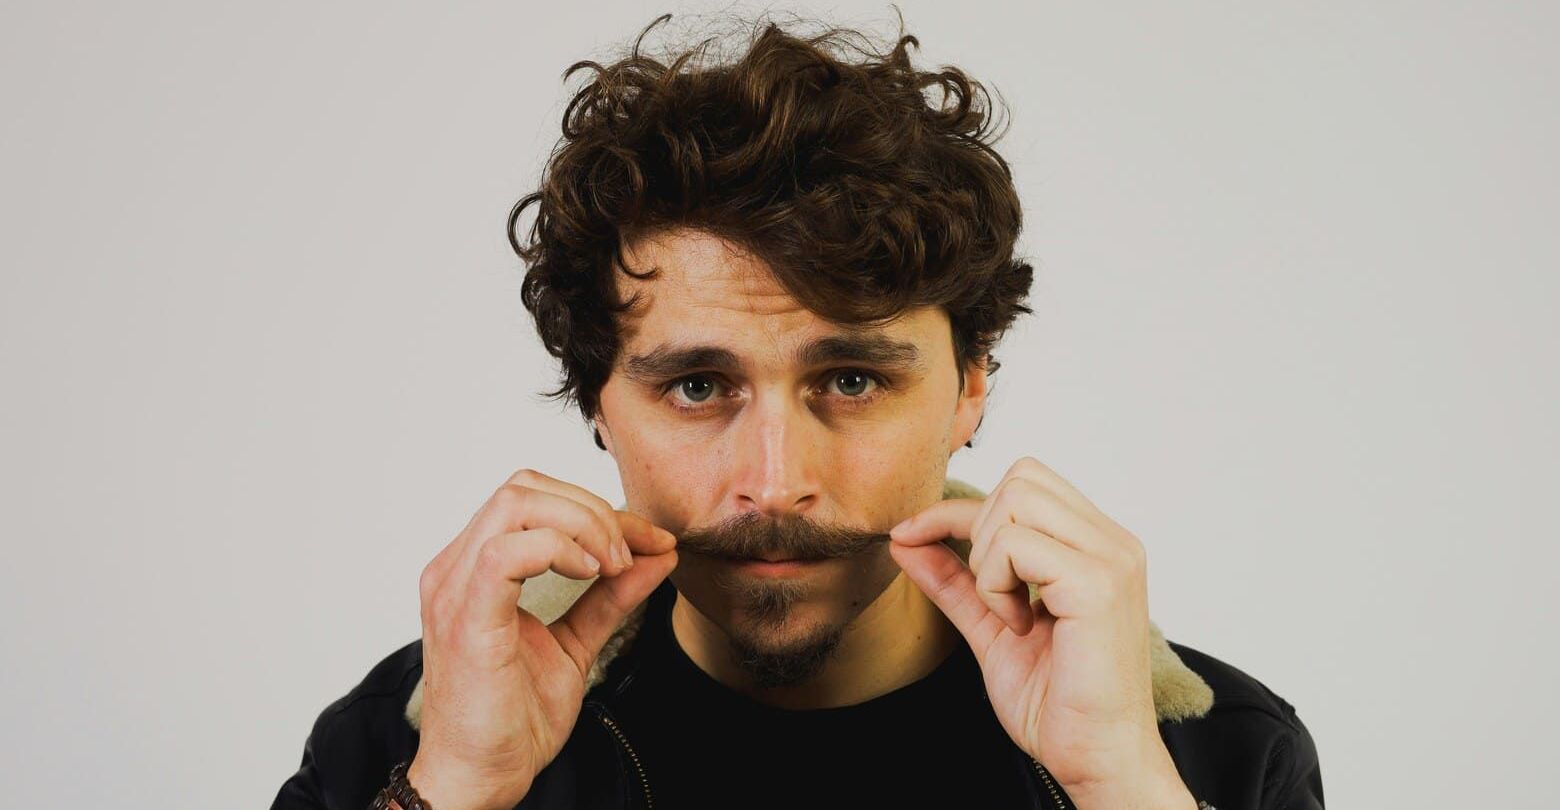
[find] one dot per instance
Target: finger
(937, 570)
(501, 513)
(642, 536)
(1023, 502)
(516, 509)
(1020, 557)
(999, 586)
(585, 627)
(505, 561)
(1033, 469)
(1015, 472)
(618, 548)
(950, 517)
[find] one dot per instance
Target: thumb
(937, 570)
(584, 629)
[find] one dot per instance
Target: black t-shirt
(934, 742)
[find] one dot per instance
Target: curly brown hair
(862, 197)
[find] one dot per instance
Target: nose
(777, 458)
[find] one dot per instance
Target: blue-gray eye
(856, 375)
(696, 382)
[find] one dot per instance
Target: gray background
(263, 354)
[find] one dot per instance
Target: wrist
(1155, 785)
(443, 788)
(1178, 797)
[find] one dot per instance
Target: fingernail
(592, 563)
(627, 556)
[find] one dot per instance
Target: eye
(853, 382)
(699, 392)
(696, 388)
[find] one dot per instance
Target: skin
(1068, 674)
(810, 458)
(782, 438)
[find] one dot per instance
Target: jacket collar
(1179, 693)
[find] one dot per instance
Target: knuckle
(525, 475)
(1029, 487)
(1137, 556)
(996, 541)
(608, 520)
(1003, 536)
(596, 520)
(947, 580)
(1002, 499)
(491, 555)
(545, 543)
(988, 568)
(985, 581)
(1127, 558)
(554, 541)
(602, 505)
(511, 496)
(1029, 493)
(613, 532)
(593, 526)
(427, 582)
(595, 502)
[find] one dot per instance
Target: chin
(800, 623)
(785, 655)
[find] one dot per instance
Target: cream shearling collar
(1179, 693)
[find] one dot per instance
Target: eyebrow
(670, 360)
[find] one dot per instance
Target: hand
(1068, 675)
(502, 691)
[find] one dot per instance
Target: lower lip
(764, 568)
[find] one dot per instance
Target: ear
(971, 405)
(603, 436)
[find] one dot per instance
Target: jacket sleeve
(356, 740)
(302, 790)
(1297, 771)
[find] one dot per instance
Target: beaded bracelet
(400, 790)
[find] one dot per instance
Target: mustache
(750, 535)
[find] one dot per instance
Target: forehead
(709, 289)
(696, 270)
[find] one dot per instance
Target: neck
(898, 639)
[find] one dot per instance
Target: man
(774, 285)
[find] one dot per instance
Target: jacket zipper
(1045, 776)
(632, 755)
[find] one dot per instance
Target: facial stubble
(769, 604)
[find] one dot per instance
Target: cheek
(902, 465)
(859, 585)
(670, 480)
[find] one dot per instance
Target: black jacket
(1236, 744)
